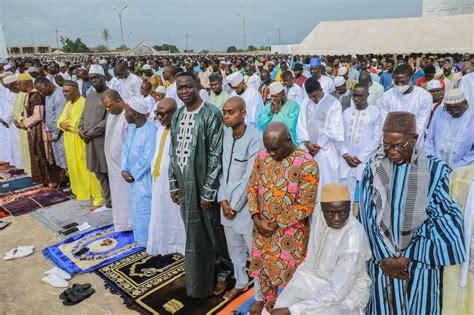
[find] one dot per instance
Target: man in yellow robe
(84, 184)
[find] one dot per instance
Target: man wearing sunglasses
(414, 227)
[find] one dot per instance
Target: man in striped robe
(414, 227)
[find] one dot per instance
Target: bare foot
(256, 308)
(92, 208)
(220, 287)
(229, 295)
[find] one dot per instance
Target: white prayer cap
(353, 56)
(229, 63)
(222, 62)
(9, 79)
(32, 69)
(323, 64)
(433, 84)
(161, 89)
(439, 73)
(7, 67)
(339, 81)
(374, 59)
(146, 67)
(103, 62)
(138, 104)
(61, 64)
(235, 78)
(270, 63)
(342, 71)
(275, 88)
(96, 69)
(454, 96)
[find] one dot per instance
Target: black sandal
(77, 297)
(76, 287)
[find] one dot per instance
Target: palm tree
(106, 37)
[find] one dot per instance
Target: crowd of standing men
(231, 159)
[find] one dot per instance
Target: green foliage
(73, 46)
(166, 47)
(252, 48)
(231, 49)
(101, 48)
(122, 47)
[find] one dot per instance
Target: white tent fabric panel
(437, 34)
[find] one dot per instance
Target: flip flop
(55, 281)
(58, 271)
(75, 287)
(227, 298)
(77, 297)
(19, 252)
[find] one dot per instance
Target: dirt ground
(21, 289)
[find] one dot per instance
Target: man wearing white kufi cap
(435, 88)
(342, 93)
(280, 109)
(137, 154)
(253, 99)
(92, 132)
(451, 135)
(333, 277)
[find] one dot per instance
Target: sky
(209, 24)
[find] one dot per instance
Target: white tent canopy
(433, 34)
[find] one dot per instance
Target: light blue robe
(54, 105)
(451, 139)
(138, 151)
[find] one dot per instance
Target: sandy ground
(21, 289)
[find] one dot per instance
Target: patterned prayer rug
(3, 213)
(139, 273)
(170, 298)
(29, 200)
(15, 183)
(91, 250)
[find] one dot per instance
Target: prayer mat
(91, 250)
(32, 199)
(15, 183)
(3, 213)
(71, 211)
(135, 275)
(170, 298)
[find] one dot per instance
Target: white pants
(240, 248)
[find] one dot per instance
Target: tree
(73, 46)
(101, 48)
(231, 49)
(122, 47)
(166, 47)
(106, 36)
(252, 48)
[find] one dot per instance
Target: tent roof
(142, 48)
(433, 34)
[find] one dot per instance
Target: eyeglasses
(397, 147)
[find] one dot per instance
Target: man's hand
(206, 204)
(276, 106)
(175, 197)
(312, 148)
(20, 124)
(395, 267)
(65, 126)
(280, 311)
(264, 227)
(128, 177)
(227, 210)
(50, 136)
(351, 161)
(83, 135)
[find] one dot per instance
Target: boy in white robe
(332, 279)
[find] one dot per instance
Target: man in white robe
(5, 154)
(253, 99)
(293, 91)
(362, 134)
(467, 86)
(406, 97)
(320, 129)
(376, 89)
(166, 233)
(252, 79)
(332, 279)
(115, 132)
(129, 83)
(7, 120)
(327, 83)
(169, 75)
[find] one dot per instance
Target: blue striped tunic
(436, 243)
